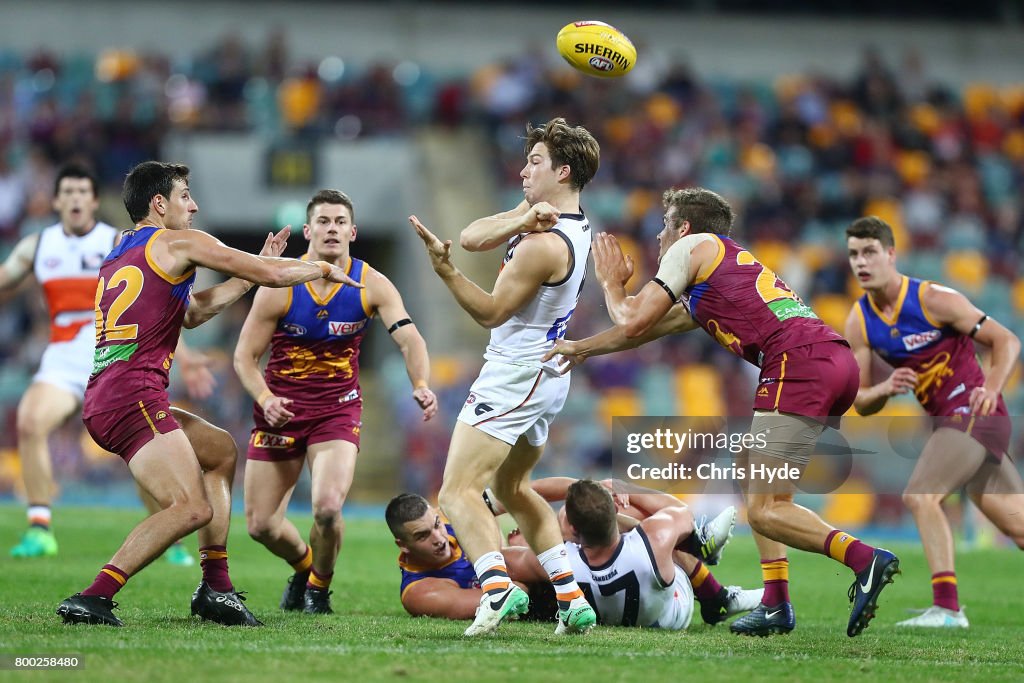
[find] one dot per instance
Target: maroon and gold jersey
(749, 310)
(314, 353)
(944, 360)
(139, 312)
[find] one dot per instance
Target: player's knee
(199, 514)
(223, 450)
(259, 526)
(511, 490)
(759, 517)
(31, 425)
(450, 500)
(326, 516)
(921, 501)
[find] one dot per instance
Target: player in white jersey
(501, 430)
(65, 259)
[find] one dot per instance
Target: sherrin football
(596, 48)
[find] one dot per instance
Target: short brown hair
(568, 146)
(146, 181)
(590, 509)
(706, 211)
(405, 507)
(330, 197)
(872, 227)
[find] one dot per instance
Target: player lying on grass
(636, 553)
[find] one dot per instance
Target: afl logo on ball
(601, 64)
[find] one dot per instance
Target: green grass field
(370, 638)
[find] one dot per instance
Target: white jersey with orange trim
(68, 267)
(524, 338)
(628, 590)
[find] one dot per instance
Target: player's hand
(427, 402)
(983, 401)
(338, 274)
(541, 217)
(440, 253)
(276, 244)
(195, 373)
(900, 381)
(571, 352)
(275, 410)
(515, 538)
(620, 499)
(613, 269)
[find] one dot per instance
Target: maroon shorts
(818, 380)
(993, 431)
(291, 441)
(125, 430)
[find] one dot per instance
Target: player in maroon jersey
(925, 331)
(808, 375)
(308, 402)
(143, 298)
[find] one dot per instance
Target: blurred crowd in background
(799, 158)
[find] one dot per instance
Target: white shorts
(508, 401)
(679, 618)
(68, 364)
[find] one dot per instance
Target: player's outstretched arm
(536, 259)
(383, 298)
(676, 321)
(440, 598)
(489, 232)
(19, 263)
(950, 307)
(268, 307)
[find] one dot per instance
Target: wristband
(420, 385)
(325, 268)
(488, 494)
(267, 393)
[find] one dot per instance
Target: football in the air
(596, 48)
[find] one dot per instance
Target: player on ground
(438, 581)
(925, 331)
(308, 403)
(501, 431)
(143, 298)
(808, 375)
(65, 259)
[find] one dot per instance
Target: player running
(925, 331)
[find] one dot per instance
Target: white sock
(492, 572)
(556, 563)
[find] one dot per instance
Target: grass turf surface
(371, 638)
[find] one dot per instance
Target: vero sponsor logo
(342, 328)
(920, 339)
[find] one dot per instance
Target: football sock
(776, 581)
(304, 563)
(214, 561)
(556, 563)
(319, 581)
(705, 586)
(39, 516)
(842, 547)
(944, 591)
(490, 569)
(107, 582)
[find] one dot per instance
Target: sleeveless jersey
(314, 352)
(139, 312)
(66, 267)
(458, 569)
(944, 360)
(525, 337)
(627, 590)
(749, 310)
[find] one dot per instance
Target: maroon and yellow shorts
(125, 430)
(289, 442)
(818, 380)
(992, 431)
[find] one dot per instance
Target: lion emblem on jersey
(306, 364)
